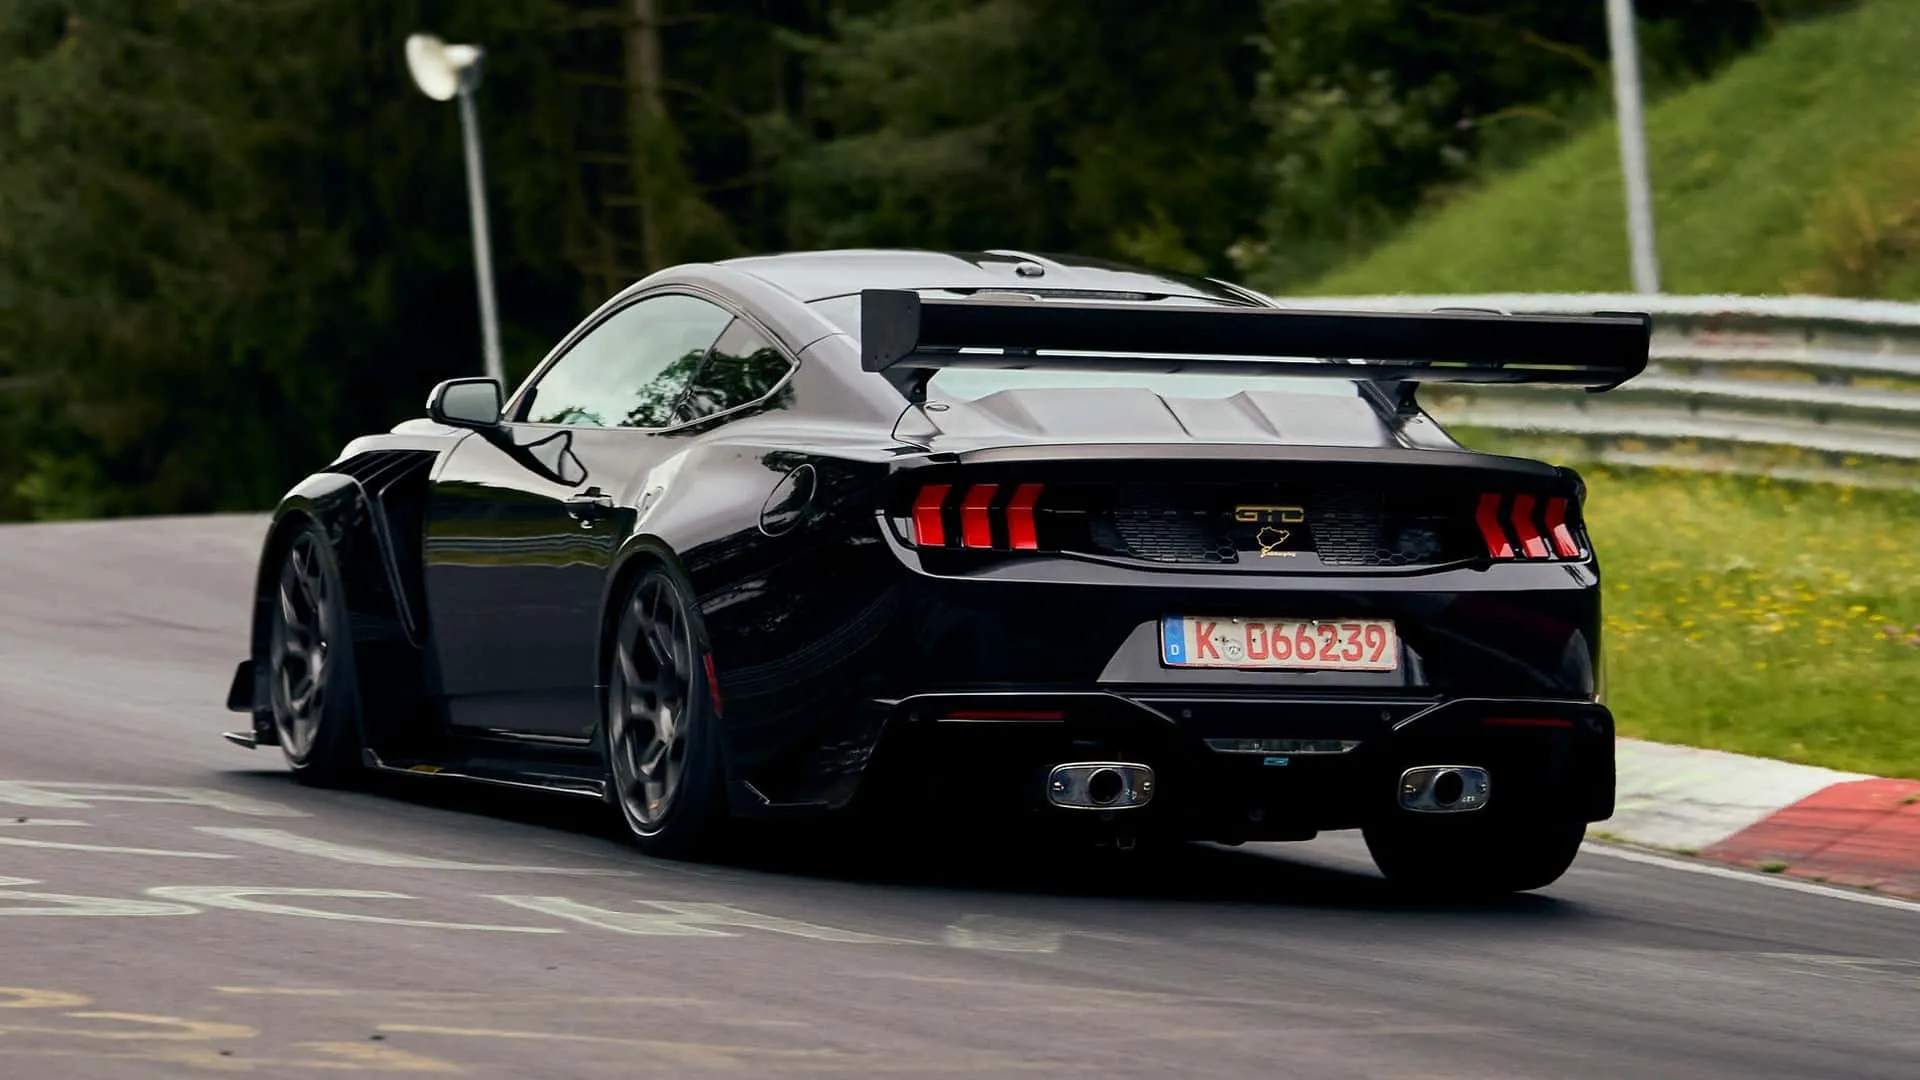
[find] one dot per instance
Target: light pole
(1633, 144)
(444, 72)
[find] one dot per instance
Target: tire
(313, 687)
(1442, 858)
(661, 729)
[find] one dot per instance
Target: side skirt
(486, 765)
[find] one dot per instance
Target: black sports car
(1044, 540)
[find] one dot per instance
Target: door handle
(589, 505)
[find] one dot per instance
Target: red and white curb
(1800, 820)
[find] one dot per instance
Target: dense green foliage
(1797, 169)
(231, 233)
(1375, 108)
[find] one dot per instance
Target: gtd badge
(1276, 528)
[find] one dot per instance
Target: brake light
(1489, 521)
(929, 530)
(976, 529)
(988, 518)
(1557, 527)
(1523, 528)
(1531, 528)
(1022, 531)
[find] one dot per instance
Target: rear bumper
(1237, 768)
(832, 683)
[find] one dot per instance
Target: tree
(1026, 123)
(222, 254)
(1373, 108)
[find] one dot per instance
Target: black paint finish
(479, 566)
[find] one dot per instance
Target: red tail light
(976, 529)
(1488, 519)
(1022, 531)
(929, 528)
(1557, 526)
(987, 519)
(1531, 528)
(1523, 528)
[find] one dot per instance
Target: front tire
(314, 691)
(662, 741)
(1471, 856)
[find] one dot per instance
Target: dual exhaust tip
(1100, 785)
(1126, 785)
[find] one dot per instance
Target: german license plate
(1282, 644)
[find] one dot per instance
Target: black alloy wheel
(313, 689)
(662, 747)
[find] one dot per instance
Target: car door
(523, 519)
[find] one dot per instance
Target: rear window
(970, 384)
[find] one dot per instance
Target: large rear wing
(908, 338)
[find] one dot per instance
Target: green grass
(1768, 618)
(1796, 169)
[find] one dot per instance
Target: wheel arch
(638, 554)
(367, 510)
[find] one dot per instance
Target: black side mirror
(470, 403)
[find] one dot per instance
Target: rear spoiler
(908, 338)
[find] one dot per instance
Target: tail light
(998, 517)
(1526, 527)
(929, 522)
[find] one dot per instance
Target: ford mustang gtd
(1046, 541)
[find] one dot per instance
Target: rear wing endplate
(908, 338)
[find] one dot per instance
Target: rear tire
(661, 729)
(1451, 857)
(312, 685)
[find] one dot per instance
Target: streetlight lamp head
(439, 69)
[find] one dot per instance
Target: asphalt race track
(171, 906)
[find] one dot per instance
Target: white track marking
(62, 904)
(76, 796)
(107, 849)
(22, 822)
(1771, 881)
(679, 919)
(994, 933)
(366, 856)
(235, 898)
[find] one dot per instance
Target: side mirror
(471, 403)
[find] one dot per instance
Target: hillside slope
(1795, 170)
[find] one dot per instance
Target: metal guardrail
(1837, 379)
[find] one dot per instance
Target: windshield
(970, 384)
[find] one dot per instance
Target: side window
(743, 367)
(631, 370)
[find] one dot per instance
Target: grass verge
(1762, 617)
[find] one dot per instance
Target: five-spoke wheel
(662, 748)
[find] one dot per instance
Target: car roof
(818, 275)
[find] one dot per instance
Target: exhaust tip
(1104, 786)
(1444, 789)
(1100, 785)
